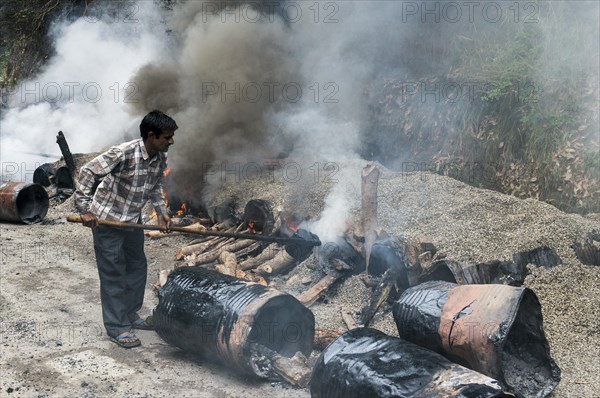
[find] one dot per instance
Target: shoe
(142, 324)
(126, 340)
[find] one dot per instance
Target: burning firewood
(198, 248)
(266, 255)
(310, 296)
(228, 264)
(247, 250)
(229, 245)
(203, 246)
(381, 293)
(277, 264)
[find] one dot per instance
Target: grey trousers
(122, 267)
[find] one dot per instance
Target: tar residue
(502, 333)
(219, 317)
(368, 363)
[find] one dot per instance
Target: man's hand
(89, 220)
(164, 222)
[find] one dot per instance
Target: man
(115, 186)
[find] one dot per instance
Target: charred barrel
(365, 362)
(494, 329)
(218, 316)
(23, 202)
(44, 175)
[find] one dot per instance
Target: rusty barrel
(494, 329)
(23, 202)
(365, 362)
(220, 317)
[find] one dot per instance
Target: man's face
(163, 142)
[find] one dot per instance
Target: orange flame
(183, 210)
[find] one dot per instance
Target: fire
(183, 210)
(290, 224)
(250, 225)
(167, 171)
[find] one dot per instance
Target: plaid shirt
(127, 179)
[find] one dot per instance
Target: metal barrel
(63, 179)
(507, 272)
(494, 329)
(365, 363)
(23, 202)
(220, 317)
(43, 174)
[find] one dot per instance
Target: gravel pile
(467, 224)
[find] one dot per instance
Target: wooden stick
(209, 256)
(198, 248)
(247, 250)
(163, 274)
(266, 255)
(370, 180)
(228, 246)
(237, 235)
(228, 264)
(277, 264)
(348, 319)
(293, 370)
(309, 297)
(159, 234)
(324, 337)
(381, 293)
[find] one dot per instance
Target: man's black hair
(157, 122)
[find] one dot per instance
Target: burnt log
(369, 225)
(66, 152)
(310, 296)
(267, 254)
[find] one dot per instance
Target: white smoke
(82, 90)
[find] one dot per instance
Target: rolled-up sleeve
(91, 174)
(156, 194)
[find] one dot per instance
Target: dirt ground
(53, 343)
